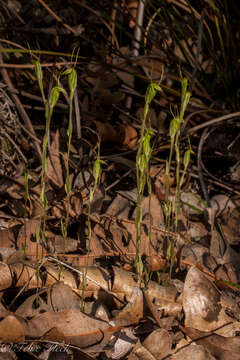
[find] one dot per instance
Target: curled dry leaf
(222, 205)
(78, 328)
(197, 230)
(52, 274)
(201, 301)
(61, 296)
(130, 138)
(133, 311)
(159, 343)
(221, 250)
(204, 309)
(156, 262)
(132, 7)
(55, 335)
(107, 133)
(163, 296)
(124, 135)
(120, 227)
(230, 227)
(97, 280)
(226, 272)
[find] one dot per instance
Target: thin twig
(32, 66)
(137, 39)
(20, 108)
(2, 130)
(214, 121)
(52, 13)
(154, 227)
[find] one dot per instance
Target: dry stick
(148, 27)
(8, 158)
(191, 10)
(52, 30)
(20, 108)
(82, 4)
(154, 227)
(52, 13)
(12, 43)
(20, 183)
(28, 132)
(138, 28)
(14, 144)
(137, 39)
(199, 164)
(113, 18)
(78, 121)
(31, 66)
(216, 182)
(118, 180)
(13, 10)
(77, 115)
(37, 98)
(214, 121)
(199, 47)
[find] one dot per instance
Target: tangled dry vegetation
(119, 179)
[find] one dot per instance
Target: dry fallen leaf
(204, 307)
(78, 328)
(192, 352)
(27, 239)
(140, 352)
(159, 343)
(221, 347)
(11, 330)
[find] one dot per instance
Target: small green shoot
(142, 171)
(26, 200)
(49, 106)
(172, 206)
(72, 84)
(97, 168)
